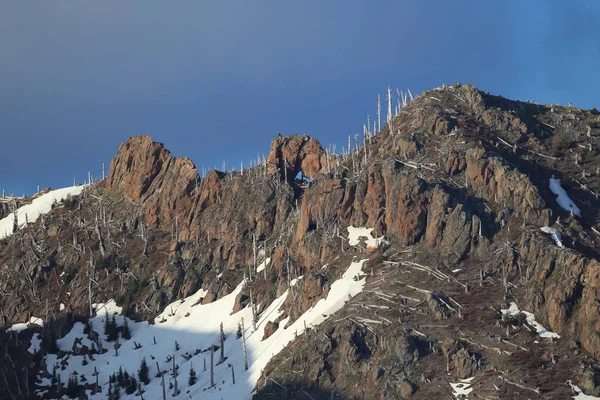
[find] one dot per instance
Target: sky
(218, 80)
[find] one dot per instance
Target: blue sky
(217, 80)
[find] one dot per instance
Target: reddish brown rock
(270, 328)
(492, 179)
(241, 300)
(295, 153)
(148, 174)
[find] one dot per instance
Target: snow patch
(39, 206)
(562, 198)
(263, 264)
(580, 395)
(294, 281)
(22, 326)
(36, 343)
(462, 388)
(355, 234)
(195, 327)
(540, 330)
(556, 236)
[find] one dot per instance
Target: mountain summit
(449, 252)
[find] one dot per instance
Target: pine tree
(113, 331)
(72, 387)
(238, 333)
(131, 386)
(120, 377)
(126, 332)
(116, 393)
(106, 324)
(143, 372)
(192, 378)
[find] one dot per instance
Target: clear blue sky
(217, 80)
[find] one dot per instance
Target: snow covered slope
(186, 330)
(40, 205)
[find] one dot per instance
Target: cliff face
(457, 182)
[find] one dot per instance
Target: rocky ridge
(457, 181)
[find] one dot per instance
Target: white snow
(40, 205)
(463, 387)
(355, 234)
(195, 327)
(24, 325)
(556, 236)
(562, 198)
(540, 330)
(36, 342)
(263, 265)
(580, 395)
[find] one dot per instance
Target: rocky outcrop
(493, 180)
(292, 154)
(566, 288)
(146, 173)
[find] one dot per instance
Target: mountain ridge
(456, 180)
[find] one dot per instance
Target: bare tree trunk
(222, 359)
(212, 365)
(244, 346)
(8, 386)
(254, 251)
(18, 384)
(100, 240)
(90, 273)
(175, 390)
(378, 113)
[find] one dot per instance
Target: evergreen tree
(72, 387)
(106, 324)
(120, 377)
(113, 332)
(131, 385)
(116, 393)
(192, 378)
(143, 372)
(238, 333)
(126, 333)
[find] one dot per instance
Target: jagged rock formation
(457, 183)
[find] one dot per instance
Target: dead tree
(212, 365)
(91, 268)
(232, 373)
(244, 346)
(222, 337)
(175, 389)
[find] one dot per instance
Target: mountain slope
(463, 186)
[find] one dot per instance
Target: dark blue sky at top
(217, 80)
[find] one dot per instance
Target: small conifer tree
(143, 372)
(126, 333)
(192, 378)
